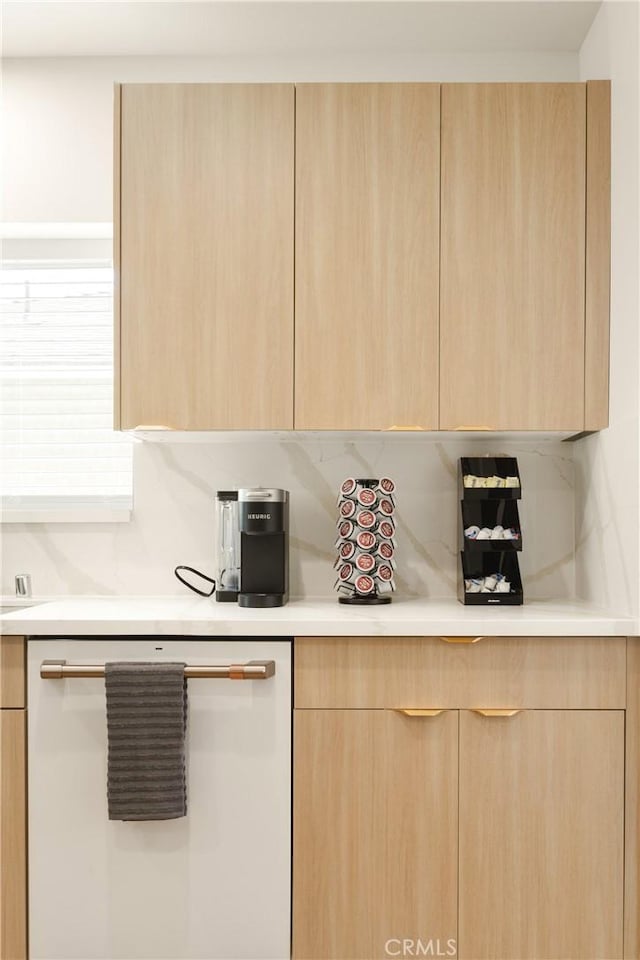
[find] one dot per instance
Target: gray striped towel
(146, 725)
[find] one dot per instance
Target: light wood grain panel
(13, 857)
(632, 805)
(375, 832)
(117, 140)
(12, 672)
(545, 672)
(206, 271)
(541, 836)
(367, 224)
(598, 252)
(512, 256)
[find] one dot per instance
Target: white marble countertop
(187, 616)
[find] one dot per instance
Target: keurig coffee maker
(264, 547)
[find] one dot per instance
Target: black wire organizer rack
(490, 534)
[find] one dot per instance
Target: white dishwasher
(215, 885)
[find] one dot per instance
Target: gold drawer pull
(406, 427)
(414, 712)
(496, 713)
(473, 428)
(149, 427)
(462, 639)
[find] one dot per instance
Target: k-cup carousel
(366, 541)
(490, 531)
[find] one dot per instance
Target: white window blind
(56, 388)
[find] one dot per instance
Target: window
(56, 391)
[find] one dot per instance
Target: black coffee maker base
(364, 600)
(261, 600)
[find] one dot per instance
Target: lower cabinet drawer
(493, 672)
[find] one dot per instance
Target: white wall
(58, 167)
(58, 114)
(607, 464)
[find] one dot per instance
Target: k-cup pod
(366, 519)
(348, 487)
(385, 550)
(347, 509)
(343, 589)
(386, 485)
(509, 534)
(347, 573)
(496, 533)
(384, 572)
(346, 529)
(366, 540)
(366, 562)
(364, 584)
(490, 582)
(473, 585)
(386, 529)
(471, 533)
(484, 534)
(503, 587)
(367, 497)
(347, 550)
(512, 482)
(386, 506)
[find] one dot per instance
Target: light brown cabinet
(204, 256)
(451, 247)
(518, 324)
(375, 832)
(541, 835)
(13, 814)
(12, 672)
(632, 805)
(513, 256)
(526, 833)
(367, 234)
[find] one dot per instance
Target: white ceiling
(48, 28)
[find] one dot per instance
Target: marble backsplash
(173, 518)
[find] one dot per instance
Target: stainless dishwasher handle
(252, 670)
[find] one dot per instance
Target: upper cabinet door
(204, 239)
(367, 232)
(512, 307)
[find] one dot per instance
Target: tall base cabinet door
(204, 256)
(367, 255)
(512, 282)
(375, 833)
(13, 834)
(541, 835)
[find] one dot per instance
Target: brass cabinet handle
(496, 713)
(152, 426)
(405, 428)
(462, 639)
(417, 712)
